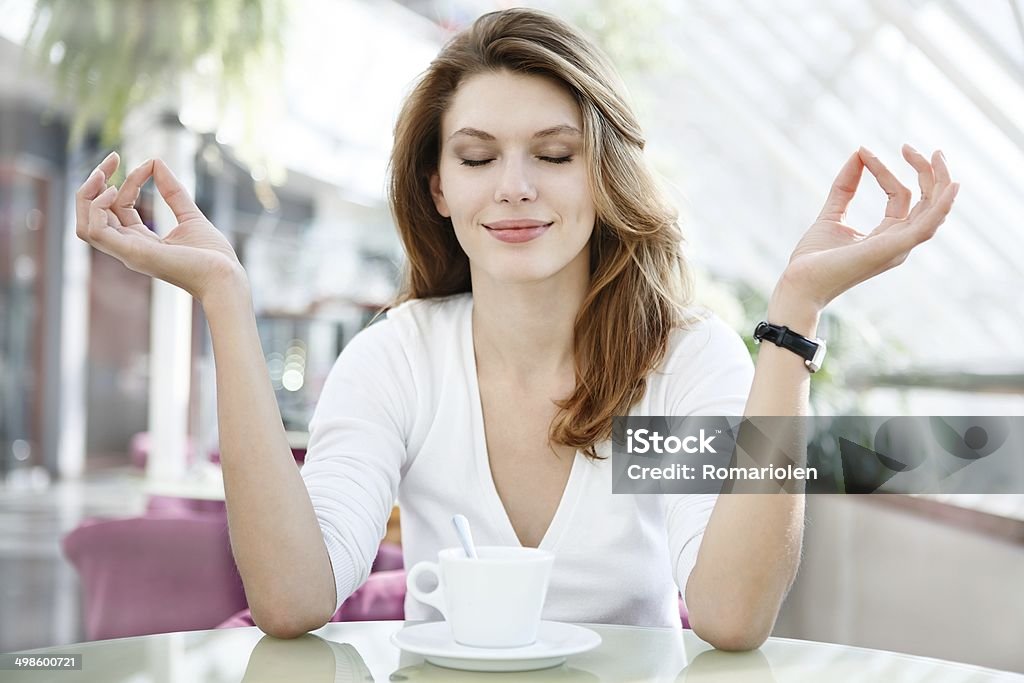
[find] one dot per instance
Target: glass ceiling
(750, 109)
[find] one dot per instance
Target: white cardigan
(400, 416)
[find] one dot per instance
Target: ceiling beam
(1013, 68)
(896, 13)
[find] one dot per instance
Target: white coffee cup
(492, 601)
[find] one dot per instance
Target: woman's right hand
(194, 255)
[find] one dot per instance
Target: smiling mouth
(517, 232)
(502, 226)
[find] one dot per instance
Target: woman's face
(513, 179)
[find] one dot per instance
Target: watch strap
(811, 350)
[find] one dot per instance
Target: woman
(545, 294)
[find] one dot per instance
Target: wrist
(793, 310)
(229, 291)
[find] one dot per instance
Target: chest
(530, 474)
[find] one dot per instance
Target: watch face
(819, 356)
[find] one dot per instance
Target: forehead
(506, 104)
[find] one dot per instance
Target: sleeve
(711, 374)
(358, 449)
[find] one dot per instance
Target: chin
(521, 271)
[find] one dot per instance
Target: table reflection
(715, 665)
(307, 658)
(430, 672)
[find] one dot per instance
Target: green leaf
(119, 54)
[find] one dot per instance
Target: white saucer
(555, 642)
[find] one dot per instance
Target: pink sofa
(154, 574)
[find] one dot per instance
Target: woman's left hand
(832, 257)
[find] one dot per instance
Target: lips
(513, 224)
(517, 231)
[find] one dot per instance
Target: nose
(515, 184)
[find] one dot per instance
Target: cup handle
(434, 598)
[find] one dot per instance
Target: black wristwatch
(811, 350)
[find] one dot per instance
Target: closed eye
(551, 160)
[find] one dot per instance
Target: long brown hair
(639, 285)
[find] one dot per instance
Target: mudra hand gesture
(832, 257)
(194, 255)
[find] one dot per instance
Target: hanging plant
(110, 56)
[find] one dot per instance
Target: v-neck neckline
(495, 506)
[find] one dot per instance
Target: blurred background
(279, 115)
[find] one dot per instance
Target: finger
(843, 189)
(124, 204)
(91, 188)
(99, 214)
(941, 169)
(103, 230)
(174, 193)
(899, 196)
(925, 179)
(925, 174)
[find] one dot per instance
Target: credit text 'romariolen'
(643, 441)
(721, 473)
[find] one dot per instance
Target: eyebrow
(546, 133)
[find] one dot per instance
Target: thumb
(174, 193)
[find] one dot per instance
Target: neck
(525, 331)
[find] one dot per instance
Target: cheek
(466, 196)
(576, 190)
